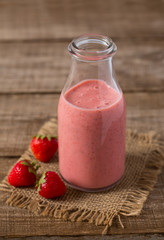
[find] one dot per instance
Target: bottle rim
(92, 47)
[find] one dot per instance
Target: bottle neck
(91, 60)
(92, 47)
(81, 70)
(93, 70)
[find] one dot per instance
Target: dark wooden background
(34, 65)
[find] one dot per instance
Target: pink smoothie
(91, 117)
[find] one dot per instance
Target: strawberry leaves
(35, 165)
(41, 181)
(49, 137)
(32, 170)
(42, 137)
(32, 167)
(25, 163)
(34, 162)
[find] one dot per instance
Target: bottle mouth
(92, 47)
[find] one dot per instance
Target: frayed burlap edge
(132, 205)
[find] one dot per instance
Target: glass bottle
(91, 117)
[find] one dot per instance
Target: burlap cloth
(143, 164)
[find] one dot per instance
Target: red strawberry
(44, 147)
(23, 174)
(50, 185)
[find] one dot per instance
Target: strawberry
(23, 174)
(50, 185)
(44, 147)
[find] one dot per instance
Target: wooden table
(34, 65)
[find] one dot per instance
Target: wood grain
(151, 219)
(109, 237)
(43, 67)
(22, 115)
(56, 19)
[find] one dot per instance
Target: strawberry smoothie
(91, 118)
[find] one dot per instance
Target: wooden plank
(22, 115)
(110, 237)
(56, 19)
(44, 67)
(151, 219)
